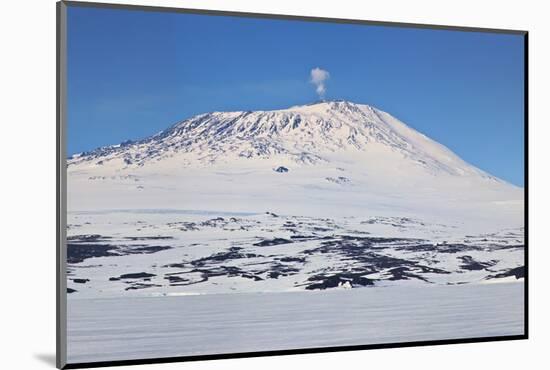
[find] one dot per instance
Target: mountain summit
(302, 135)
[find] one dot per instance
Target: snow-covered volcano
(335, 158)
(307, 134)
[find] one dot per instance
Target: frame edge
(526, 180)
(61, 195)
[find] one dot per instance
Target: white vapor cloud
(318, 78)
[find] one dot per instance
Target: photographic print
(241, 184)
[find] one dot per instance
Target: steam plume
(318, 78)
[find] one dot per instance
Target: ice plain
(140, 328)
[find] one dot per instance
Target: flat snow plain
(156, 327)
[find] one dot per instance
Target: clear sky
(134, 73)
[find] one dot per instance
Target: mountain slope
(331, 158)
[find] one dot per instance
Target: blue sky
(134, 73)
